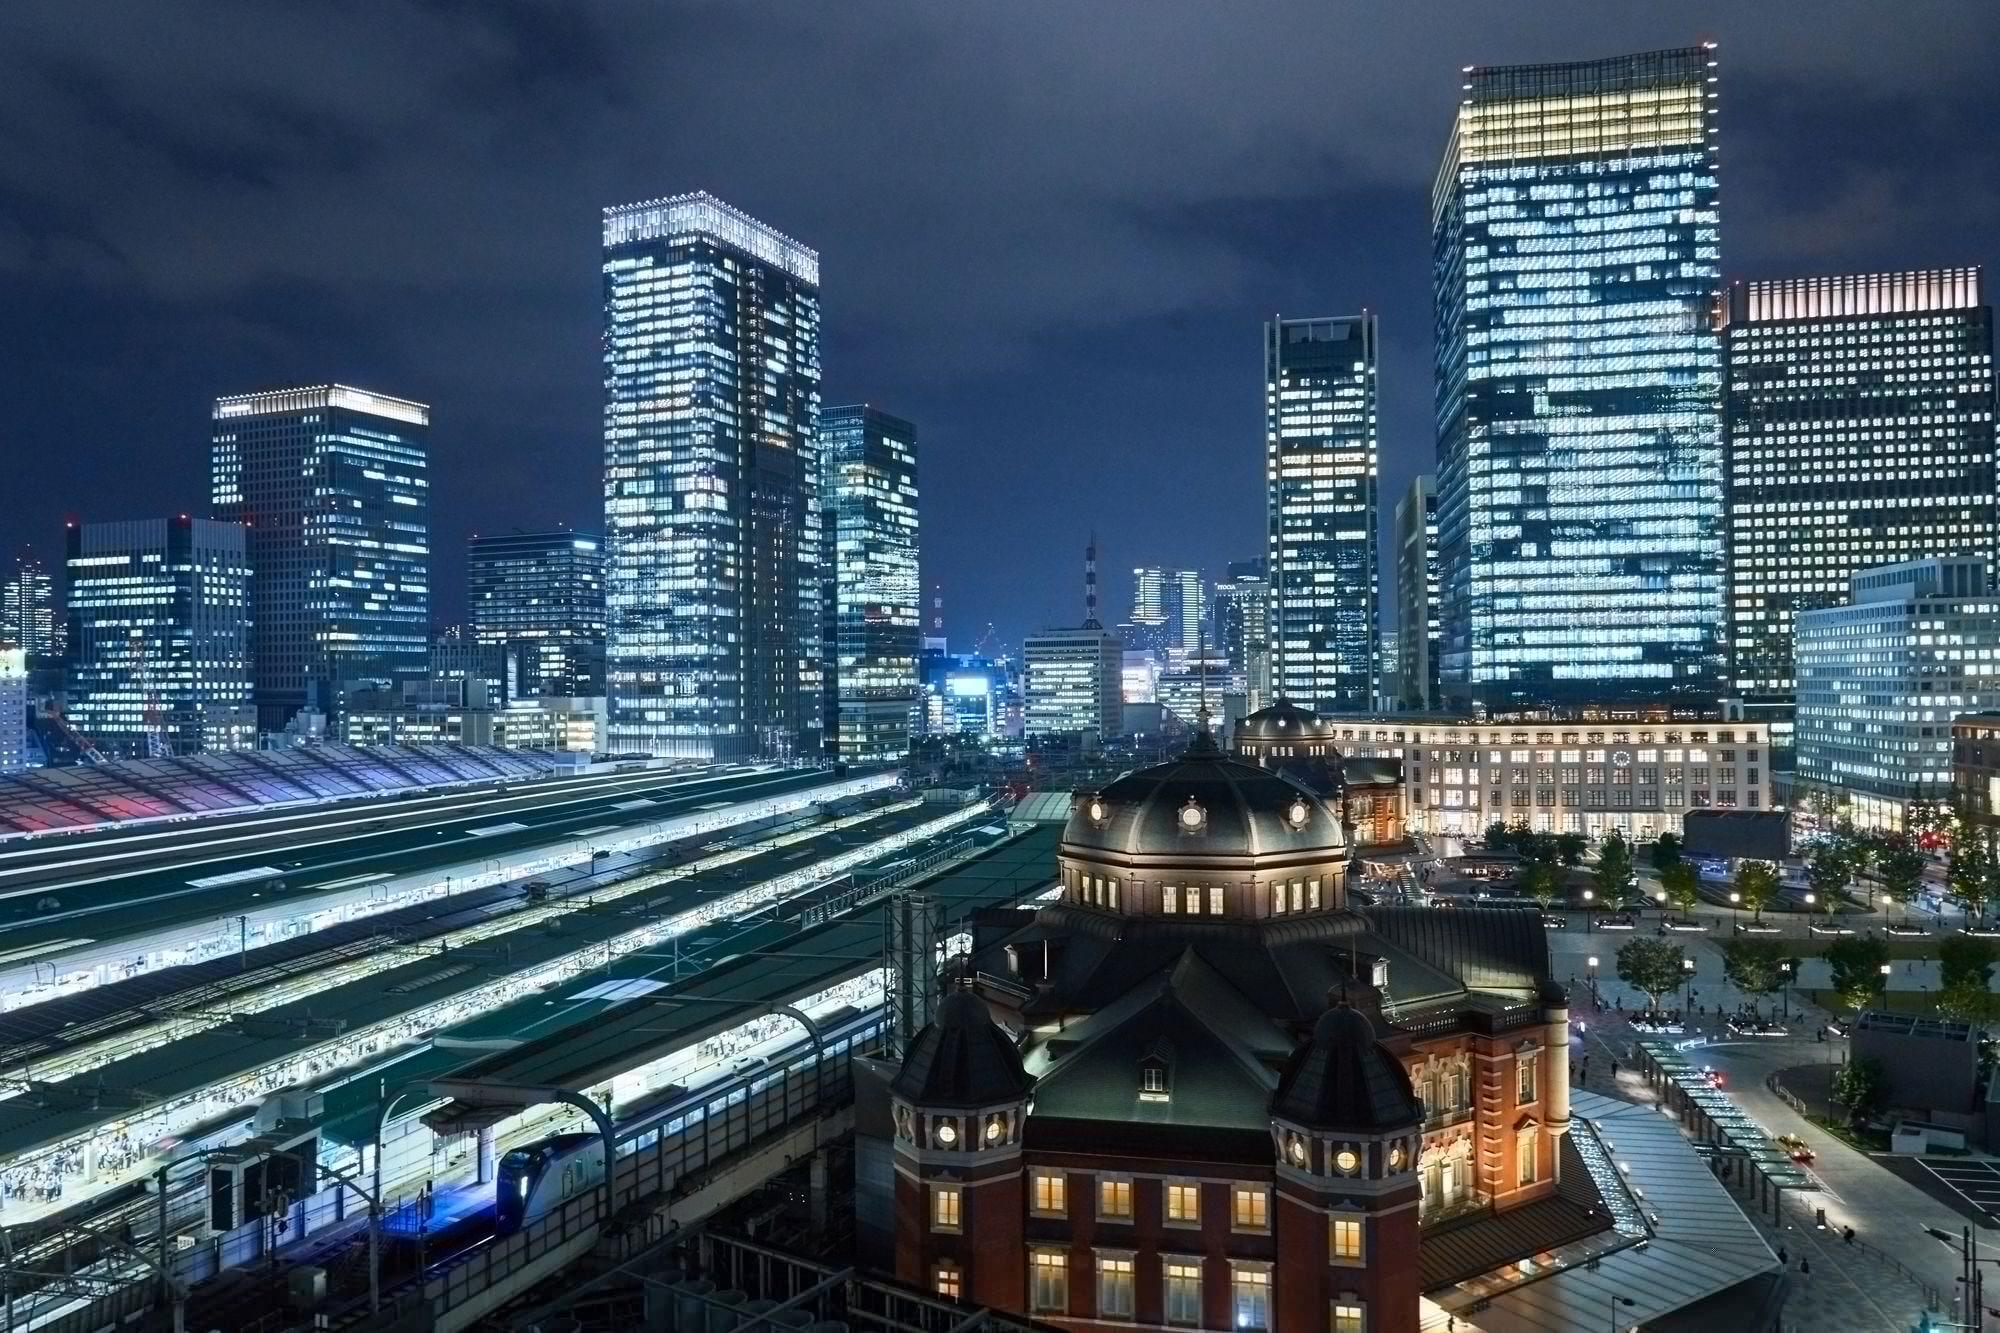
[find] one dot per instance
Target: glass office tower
(159, 636)
(27, 611)
(1579, 381)
(1416, 557)
(1320, 483)
(1859, 423)
(711, 404)
(542, 593)
(1166, 610)
(868, 495)
(333, 484)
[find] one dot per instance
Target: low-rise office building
(1881, 679)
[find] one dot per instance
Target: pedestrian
(1848, 1235)
(1614, 1071)
(1784, 1260)
(1805, 1266)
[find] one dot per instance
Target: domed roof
(1343, 1079)
(1204, 804)
(1282, 721)
(962, 1059)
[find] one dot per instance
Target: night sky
(1048, 232)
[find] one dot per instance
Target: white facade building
(1880, 680)
(1073, 679)
(1563, 777)
(13, 710)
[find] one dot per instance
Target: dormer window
(1193, 819)
(1156, 1073)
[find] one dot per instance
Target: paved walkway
(1877, 1286)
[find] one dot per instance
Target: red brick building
(1203, 1091)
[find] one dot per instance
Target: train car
(537, 1176)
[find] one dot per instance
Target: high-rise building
(1416, 556)
(543, 593)
(868, 498)
(1881, 678)
(1320, 483)
(27, 611)
(1242, 625)
(1166, 609)
(13, 710)
(1859, 432)
(159, 637)
(333, 484)
(1579, 375)
(711, 478)
(1072, 680)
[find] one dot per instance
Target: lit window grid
(1579, 381)
(1565, 777)
(1321, 465)
(1879, 684)
(868, 490)
(713, 588)
(1852, 441)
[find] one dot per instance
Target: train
(533, 1178)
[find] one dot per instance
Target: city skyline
(1357, 241)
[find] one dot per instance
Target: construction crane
(81, 743)
(152, 716)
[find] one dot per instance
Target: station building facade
(1203, 1090)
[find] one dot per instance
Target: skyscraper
(711, 478)
(333, 484)
(1575, 259)
(868, 497)
(1320, 484)
(1166, 609)
(542, 593)
(1859, 431)
(1416, 556)
(13, 710)
(158, 612)
(27, 611)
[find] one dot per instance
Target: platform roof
(135, 905)
(768, 966)
(218, 1055)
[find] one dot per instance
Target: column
(485, 1176)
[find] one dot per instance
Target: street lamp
(1735, 901)
(1785, 969)
(1687, 986)
(1591, 963)
(1809, 907)
(1617, 1301)
(1588, 925)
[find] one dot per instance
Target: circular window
(1621, 758)
(1097, 812)
(1299, 813)
(995, 1129)
(1297, 1149)
(1347, 1161)
(1397, 1157)
(947, 1133)
(1193, 816)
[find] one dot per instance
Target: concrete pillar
(821, 1189)
(485, 1168)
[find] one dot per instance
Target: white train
(535, 1177)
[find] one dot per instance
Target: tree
(1614, 868)
(1683, 885)
(1826, 871)
(1666, 852)
(1757, 886)
(1969, 869)
(1900, 866)
(1857, 962)
(1754, 964)
(1652, 967)
(1570, 848)
(1965, 959)
(1967, 1001)
(1859, 1087)
(1542, 881)
(1499, 837)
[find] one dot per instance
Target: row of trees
(1759, 966)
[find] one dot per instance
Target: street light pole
(1617, 1301)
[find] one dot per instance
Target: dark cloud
(1049, 230)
